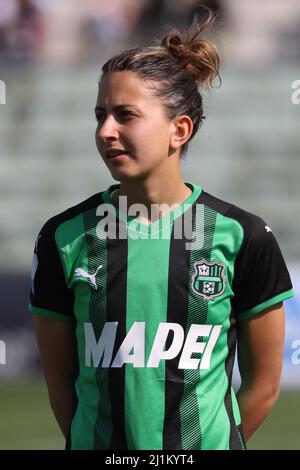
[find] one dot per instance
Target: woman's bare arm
(260, 354)
(57, 346)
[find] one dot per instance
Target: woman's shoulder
(71, 212)
(250, 222)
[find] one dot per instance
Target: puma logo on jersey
(268, 228)
(132, 349)
(79, 272)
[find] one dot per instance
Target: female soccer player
(142, 291)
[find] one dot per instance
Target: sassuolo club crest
(209, 279)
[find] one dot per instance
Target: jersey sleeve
(261, 278)
(49, 295)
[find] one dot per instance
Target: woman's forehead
(124, 88)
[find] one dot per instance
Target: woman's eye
(122, 116)
(99, 117)
(126, 114)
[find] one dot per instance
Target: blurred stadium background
(247, 152)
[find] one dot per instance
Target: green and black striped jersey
(155, 308)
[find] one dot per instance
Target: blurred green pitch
(27, 421)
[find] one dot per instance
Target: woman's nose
(107, 128)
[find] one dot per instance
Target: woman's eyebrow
(117, 107)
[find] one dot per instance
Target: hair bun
(173, 41)
(199, 57)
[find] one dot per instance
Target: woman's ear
(183, 128)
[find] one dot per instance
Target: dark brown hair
(177, 67)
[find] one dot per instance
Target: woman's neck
(168, 193)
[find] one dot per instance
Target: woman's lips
(118, 158)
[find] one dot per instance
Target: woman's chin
(123, 175)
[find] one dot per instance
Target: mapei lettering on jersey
(132, 350)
